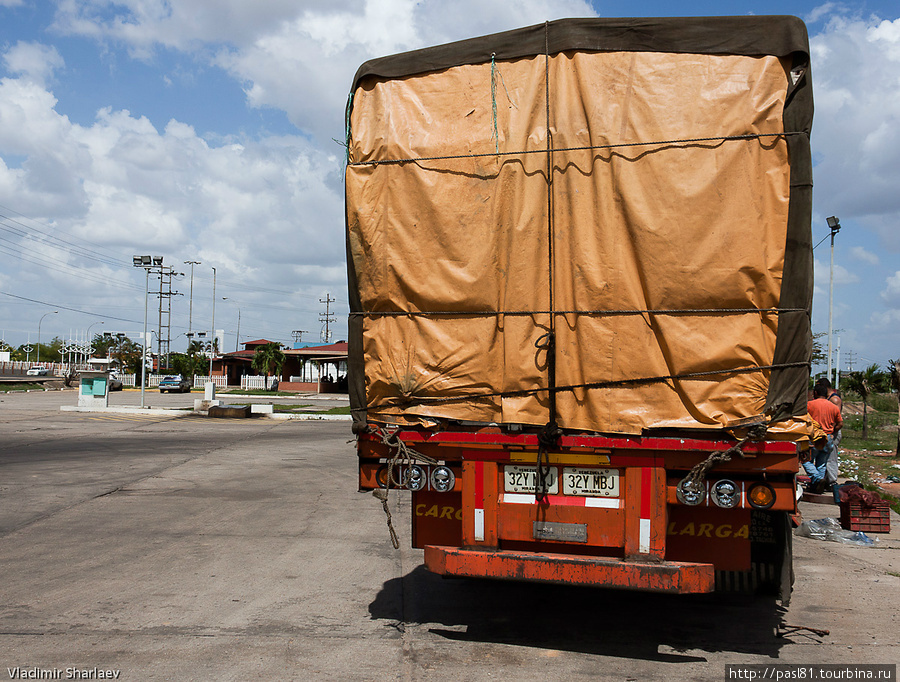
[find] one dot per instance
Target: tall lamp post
(146, 262)
(237, 340)
(212, 341)
(192, 263)
(88, 341)
(39, 332)
(835, 226)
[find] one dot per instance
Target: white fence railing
(56, 368)
(255, 382)
(220, 382)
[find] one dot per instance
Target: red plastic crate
(875, 519)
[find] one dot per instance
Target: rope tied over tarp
(403, 455)
(583, 148)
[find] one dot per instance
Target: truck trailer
(580, 273)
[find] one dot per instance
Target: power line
(75, 310)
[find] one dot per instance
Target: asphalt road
(190, 548)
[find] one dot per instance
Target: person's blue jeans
(816, 467)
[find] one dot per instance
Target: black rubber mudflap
(772, 570)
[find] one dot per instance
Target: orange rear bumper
(667, 576)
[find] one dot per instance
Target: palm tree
(268, 360)
(865, 383)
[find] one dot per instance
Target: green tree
(866, 382)
(268, 359)
(191, 363)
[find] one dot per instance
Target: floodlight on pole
(834, 224)
(145, 262)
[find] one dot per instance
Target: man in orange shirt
(828, 416)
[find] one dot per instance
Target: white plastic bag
(830, 530)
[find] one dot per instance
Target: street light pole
(835, 226)
(89, 340)
(237, 338)
(192, 263)
(39, 333)
(145, 262)
(212, 341)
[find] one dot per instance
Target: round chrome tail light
(689, 493)
(416, 478)
(726, 494)
(442, 479)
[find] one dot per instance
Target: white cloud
(121, 183)
(822, 11)
(891, 293)
(822, 275)
(856, 134)
(860, 254)
(33, 61)
(300, 57)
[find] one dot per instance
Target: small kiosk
(93, 390)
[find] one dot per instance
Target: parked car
(115, 383)
(37, 372)
(175, 382)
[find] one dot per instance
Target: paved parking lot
(189, 548)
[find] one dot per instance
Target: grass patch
(870, 461)
(21, 387)
(882, 432)
(288, 408)
(333, 410)
(256, 391)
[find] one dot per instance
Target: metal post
(148, 263)
(212, 341)
(837, 369)
(835, 226)
(144, 338)
(237, 336)
(39, 333)
(192, 263)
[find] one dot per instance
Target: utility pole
(327, 317)
(163, 339)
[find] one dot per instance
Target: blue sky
(204, 130)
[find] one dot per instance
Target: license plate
(591, 482)
(519, 479)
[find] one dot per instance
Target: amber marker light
(761, 496)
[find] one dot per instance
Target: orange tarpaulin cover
(650, 239)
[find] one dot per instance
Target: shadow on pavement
(582, 619)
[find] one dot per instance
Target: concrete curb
(182, 413)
